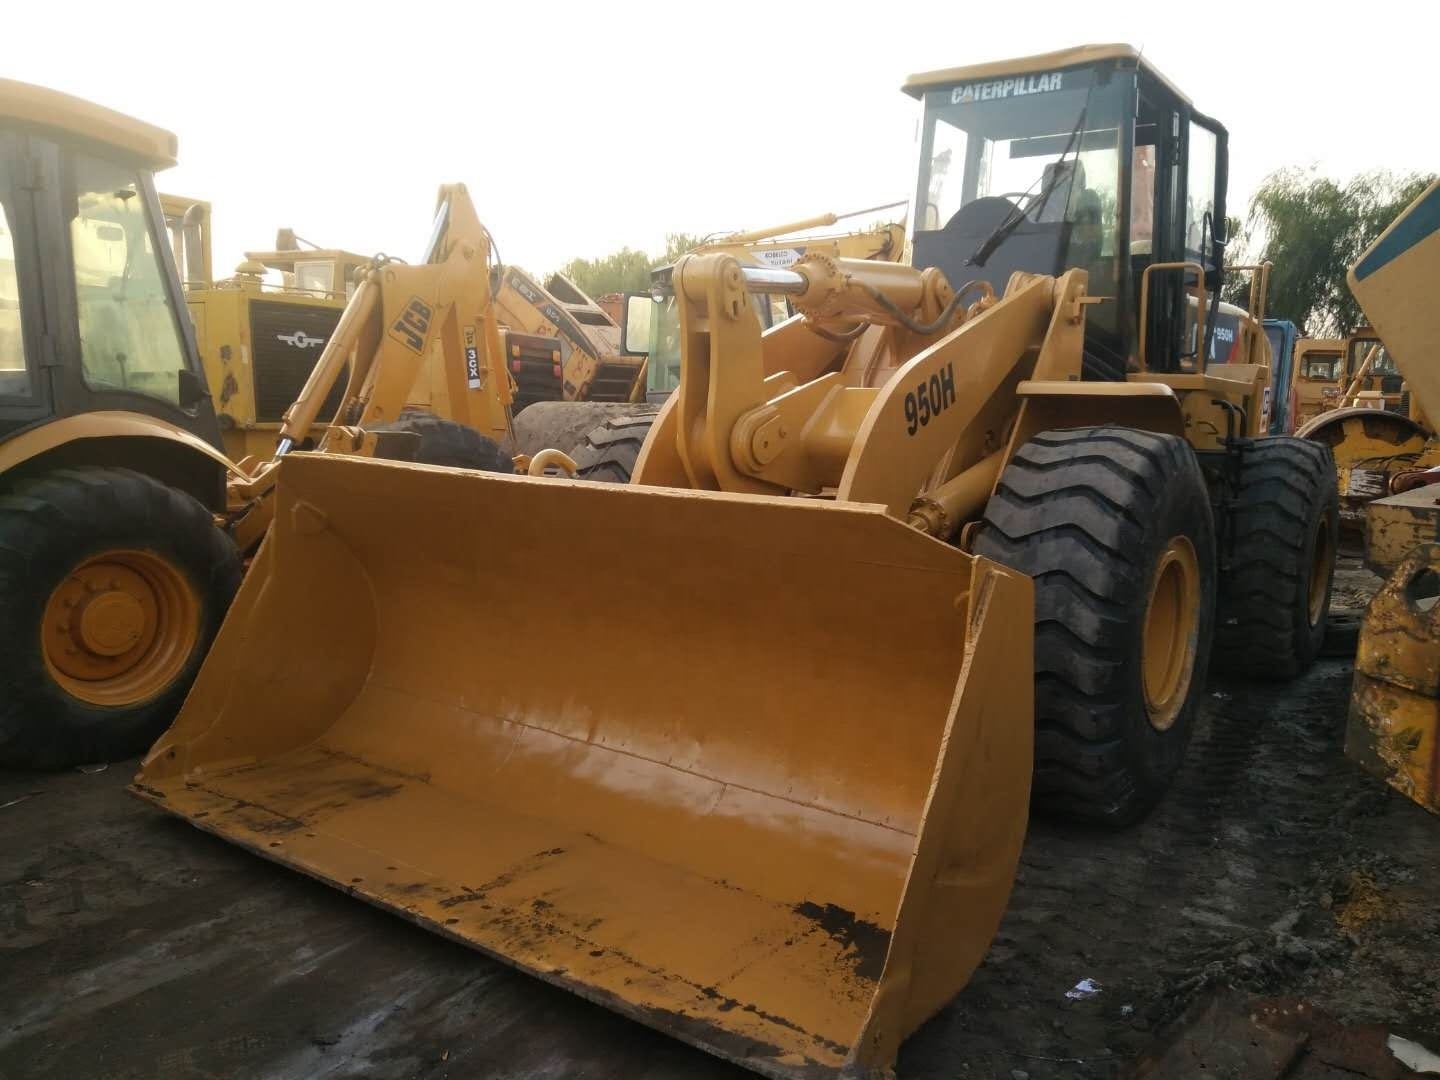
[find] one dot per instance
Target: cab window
(14, 377)
(129, 338)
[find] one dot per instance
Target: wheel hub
(111, 623)
(120, 627)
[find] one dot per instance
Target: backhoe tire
(114, 586)
(447, 442)
(1114, 526)
(609, 452)
(1274, 598)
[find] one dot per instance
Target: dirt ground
(134, 947)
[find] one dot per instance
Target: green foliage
(1313, 229)
(626, 270)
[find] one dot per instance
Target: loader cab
(91, 309)
(1084, 158)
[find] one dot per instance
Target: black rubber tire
(51, 523)
(448, 442)
(1287, 494)
(609, 452)
(1087, 514)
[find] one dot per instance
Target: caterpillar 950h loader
(764, 781)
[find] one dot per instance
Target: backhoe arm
(396, 317)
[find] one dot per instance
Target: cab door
(25, 392)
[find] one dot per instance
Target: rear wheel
(1274, 597)
(114, 587)
(1114, 526)
(447, 442)
(609, 452)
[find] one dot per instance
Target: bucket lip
(926, 550)
(170, 796)
(307, 459)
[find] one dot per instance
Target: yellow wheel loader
(1394, 728)
(951, 526)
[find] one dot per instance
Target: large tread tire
(563, 425)
(450, 443)
(1089, 514)
(1274, 596)
(609, 452)
(49, 526)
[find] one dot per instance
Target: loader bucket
(752, 771)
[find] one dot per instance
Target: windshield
(1322, 366)
(1382, 364)
(1044, 149)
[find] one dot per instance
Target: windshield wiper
(982, 254)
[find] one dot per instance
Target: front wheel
(114, 586)
(1115, 528)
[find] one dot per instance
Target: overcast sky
(582, 128)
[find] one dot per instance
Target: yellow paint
(583, 821)
(1394, 726)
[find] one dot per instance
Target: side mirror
(192, 389)
(635, 326)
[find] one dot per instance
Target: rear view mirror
(635, 327)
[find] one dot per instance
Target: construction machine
(1394, 725)
(258, 339)
(114, 571)
(123, 524)
(1352, 397)
(952, 526)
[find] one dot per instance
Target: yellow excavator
(957, 535)
(1394, 727)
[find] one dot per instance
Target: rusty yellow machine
(1353, 397)
(916, 545)
(1394, 727)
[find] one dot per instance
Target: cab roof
(41, 107)
(1078, 55)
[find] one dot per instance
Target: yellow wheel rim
(1172, 618)
(120, 627)
(1320, 570)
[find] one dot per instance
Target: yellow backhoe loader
(122, 523)
(951, 525)
(1394, 727)
(114, 571)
